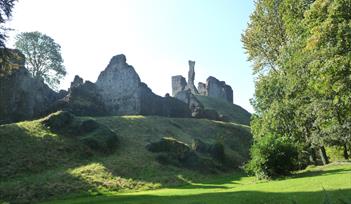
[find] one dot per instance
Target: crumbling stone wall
(119, 84)
(191, 78)
(218, 89)
(82, 99)
(213, 87)
(23, 97)
(124, 94)
(178, 84)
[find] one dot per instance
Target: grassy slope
(305, 187)
(236, 113)
(36, 163)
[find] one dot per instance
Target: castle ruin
(212, 88)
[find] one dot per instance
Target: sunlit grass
(310, 186)
(39, 164)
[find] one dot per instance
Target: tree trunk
(346, 154)
(323, 155)
(349, 149)
(312, 156)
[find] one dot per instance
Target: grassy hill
(39, 162)
(234, 112)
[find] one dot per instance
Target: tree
(301, 55)
(265, 36)
(301, 51)
(5, 13)
(329, 41)
(43, 57)
(272, 156)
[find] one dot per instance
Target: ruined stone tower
(213, 87)
(191, 78)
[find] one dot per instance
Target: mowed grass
(328, 184)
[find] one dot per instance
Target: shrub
(100, 139)
(199, 146)
(215, 150)
(272, 156)
(88, 126)
(173, 152)
(168, 144)
(59, 120)
(335, 153)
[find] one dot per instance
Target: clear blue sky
(157, 36)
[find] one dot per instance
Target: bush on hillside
(59, 120)
(88, 126)
(271, 157)
(176, 153)
(102, 140)
(215, 150)
(168, 144)
(97, 136)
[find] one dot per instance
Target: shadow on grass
(252, 197)
(22, 154)
(201, 186)
(320, 172)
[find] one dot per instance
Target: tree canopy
(6, 7)
(301, 52)
(43, 57)
(5, 13)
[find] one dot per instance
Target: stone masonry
(213, 87)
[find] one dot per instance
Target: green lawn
(314, 185)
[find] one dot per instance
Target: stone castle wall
(213, 87)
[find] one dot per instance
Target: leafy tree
(5, 13)
(305, 96)
(301, 52)
(43, 57)
(329, 42)
(272, 156)
(265, 36)
(10, 60)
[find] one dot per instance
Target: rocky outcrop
(23, 97)
(219, 89)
